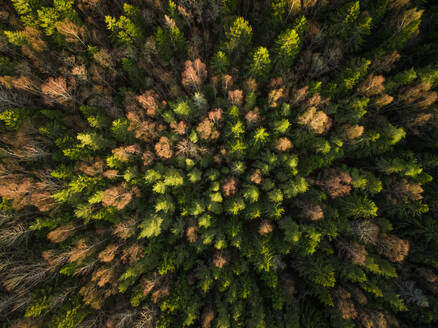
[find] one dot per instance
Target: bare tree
(71, 31)
(55, 90)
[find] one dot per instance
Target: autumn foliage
(218, 164)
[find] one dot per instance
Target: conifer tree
(225, 163)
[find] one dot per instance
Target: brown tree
(229, 186)
(335, 183)
(372, 85)
(315, 120)
(194, 75)
(253, 117)
(207, 317)
(394, 248)
(265, 227)
(312, 211)
(55, 91)
(117, 196)
(220, 259)
(163, 148)
(60, 234)
(283, 144)
(256, 176)
(149, 101)
(235, 97)
(72, 32)
(192, 234)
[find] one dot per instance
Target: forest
(218, 163)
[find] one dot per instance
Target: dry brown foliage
(25, 84)
(275, 96)
(132, 254)
(229, 186)
(428, 275)
(342, 293)
(26, 192)
(149, 101)
(357, 253)
(207, 317)
(82, 249)
(207, 130)
(335, 183)
(163, 148)
(126, 153)
(418, 95)
(298, 95)
(220, 260)
(104, 59)
(150, 282)
(372, 85)
(192, 234)
(108, 254)
(312, 211)
(35, 39)
(250, 85)
(265, 227)
(117, 196)
(93, 169)
(194, 75)
(92, 296)
(235, 97)
(366, 320)
(256, 176)
(144, 130)
(60, 234)
(408, 191)
(105, 275)
(147, 157)
(346, 309)
(80, 71)
(315, 120)
(110, 174)
(162, 291)
(72, 32)
(216, 115)
(313, 101)
(421, 120)
(226, 83)
(55, 90)
(351, 132)
(253, 117)
(283, 144)
(179, 128)
(394, 248)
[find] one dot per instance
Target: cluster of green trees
(218, 163)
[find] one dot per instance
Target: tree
(194, 75)
(72, 32)
(55, 91)
(49, 16)
(220, 63)
(239, 37)
(260, 64)
(291, 183)
(288, 44)
(126, 28)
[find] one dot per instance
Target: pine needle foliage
(218, 163)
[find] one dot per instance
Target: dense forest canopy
(218, 163)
